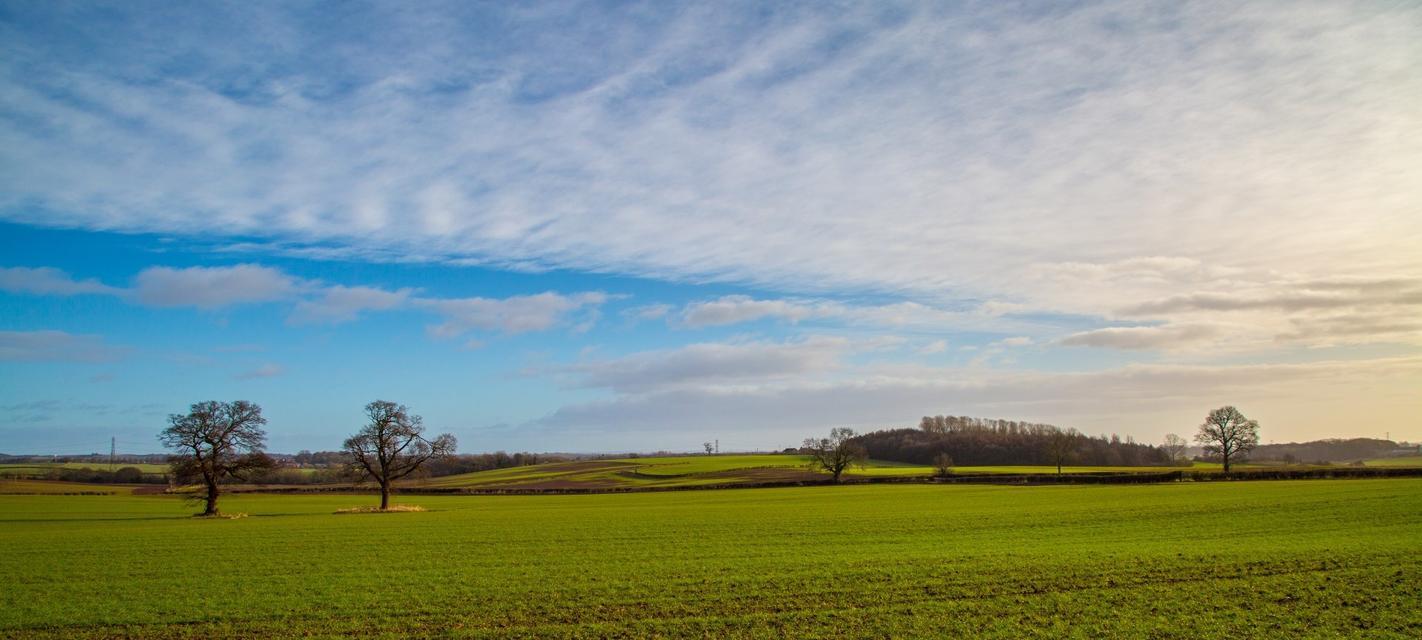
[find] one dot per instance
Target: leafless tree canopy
(1227, 433)
(1061, 444)
(1175, 446)
(835, 453)
(943, 463)
(392, 445)
(215, 441)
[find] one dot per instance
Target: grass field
(29, 468)
(1183, 560)
(1401, 461)
(27, 487)
(678, 471)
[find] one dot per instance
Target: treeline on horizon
(306, 467)
(992, 441)
(1332, 450)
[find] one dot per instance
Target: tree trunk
(836, 475)
(211, 509)
(384, 495)
(1226, 463)
(1059, 467)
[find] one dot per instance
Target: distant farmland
(686, 471)
(37, 468)
(1315, 558)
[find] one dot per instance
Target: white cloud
(268, 370)
(737, 309)
(1161, 337)
(315, 302)
(213, 287)
(942, 152)
(338, 304)
(48, 281)
(648, 312)
(936, 346)
(712, 363)
(515, 314)
(56, 346)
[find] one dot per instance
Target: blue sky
(638, 226)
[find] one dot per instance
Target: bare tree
(1174, 447)
(392, 445)
(943, 463)
(710, 448)
(1060, 446)
(835, 453)
(215, 441)
(1227, 433)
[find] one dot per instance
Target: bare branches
(214, 441)
(1174, 447)
(1227, 433)
(392, 445)
(835, 453)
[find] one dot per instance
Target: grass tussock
(399, 508)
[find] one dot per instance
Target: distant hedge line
(1020, 479)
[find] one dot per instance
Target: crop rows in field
(1263, 560)
(690, 471)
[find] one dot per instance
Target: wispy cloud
(314, 302)
(56, 346)
(752, 362)
(1161, 337)
(49, 281)
(941, 151)
(339, 303)
(267, 370)
(213, 287)
(515, 314)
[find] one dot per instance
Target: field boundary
(986, 478)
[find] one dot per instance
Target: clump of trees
(470, 462)
(976, 441)
(392, 445)
(1227, 433)
(836, 453)
(216, 441)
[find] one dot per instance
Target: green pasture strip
(1320, 558)
(27, 487)
(39, 467)
(1401, 461)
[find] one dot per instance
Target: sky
(608, 226)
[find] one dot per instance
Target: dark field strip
(1264, 560)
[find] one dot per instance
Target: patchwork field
(681, 471)
(33, 487)
(1400, 461)
(33, 468)
(1182, 560)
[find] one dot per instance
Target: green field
(1315, 558)
(35, 468)
(679, 471)
(1400, 461)
(26, 487)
